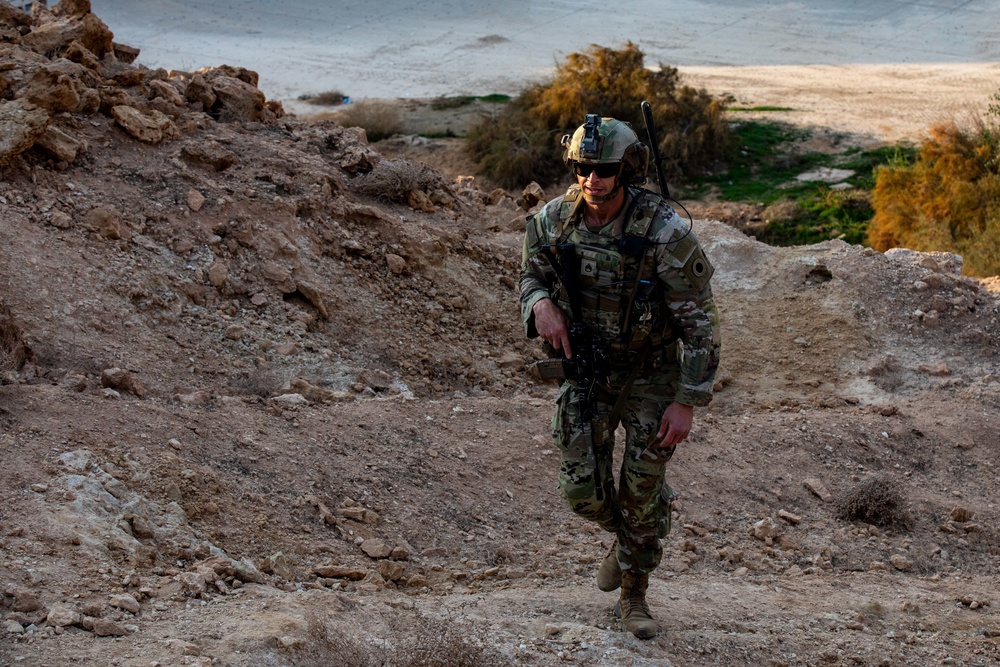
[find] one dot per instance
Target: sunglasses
(606, 170)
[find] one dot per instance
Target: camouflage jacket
(668, 283)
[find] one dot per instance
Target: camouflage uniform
(676, 347)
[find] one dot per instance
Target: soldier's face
(597, 180)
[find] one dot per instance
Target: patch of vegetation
(877, 500)
(413, 641)
(330, 98)
(521, 142)
(394, 180)
(379, 120)
(257, 383)
(947, 200)
(763, 166)
(459, 101)
(446, 134)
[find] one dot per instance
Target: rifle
(647, 117)
(588, 367)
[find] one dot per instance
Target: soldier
(613, 270)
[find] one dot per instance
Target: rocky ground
(266, 401)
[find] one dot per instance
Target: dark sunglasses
(606, 170)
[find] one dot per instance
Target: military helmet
(601, 140)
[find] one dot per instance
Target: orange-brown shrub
(949, 200)
(522, 143)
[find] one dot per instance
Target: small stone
(25, 600)
(376, 548)
(195, 200)
(789, 517)
(61, 616)
(126, 602)
(766, 529)
(818, 488)
(193, 583)
(901, 562)
(12, 627)
(105, 627)
(391, 570)
(396, 264)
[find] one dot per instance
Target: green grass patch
(763, 164)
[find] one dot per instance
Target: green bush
(521, 142)
(948, 200)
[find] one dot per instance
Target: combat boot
(631, 609)
(609, 574)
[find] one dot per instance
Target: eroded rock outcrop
(65, 61)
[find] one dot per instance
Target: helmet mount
(590, 144)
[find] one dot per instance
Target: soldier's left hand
(675, 425)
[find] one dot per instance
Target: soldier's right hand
(552, 325)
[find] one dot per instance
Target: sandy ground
(885, 102)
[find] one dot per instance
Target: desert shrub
(512, 148)
(948, 200)
(520, 142)
(416, 641)
(876, 500)
(258, 383)
(330, 98)
(887, 373)
(379, 120)
(394, 180)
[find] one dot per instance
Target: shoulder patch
(698, 270)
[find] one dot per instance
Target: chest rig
(619, 296)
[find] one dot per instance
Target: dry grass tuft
(330, 98)
(379, 120)
(424, 642)
(394, 180)
(887, 374)
(257, 383)
(878, 501)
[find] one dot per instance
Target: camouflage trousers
(638, 510)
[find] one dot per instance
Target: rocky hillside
(266, 401)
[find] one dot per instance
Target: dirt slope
(279, 413)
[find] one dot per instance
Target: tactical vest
(621, 297)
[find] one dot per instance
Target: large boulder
(151, 128)
(13, 17)
(54, 37)
(21, 124)
(50, 89)
(236, 100)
